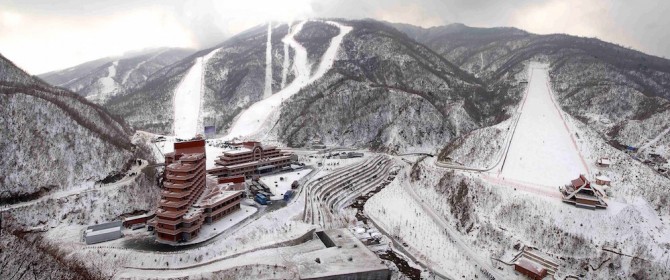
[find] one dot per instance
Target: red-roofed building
(531, 269)
(582, 194)
(187, 202)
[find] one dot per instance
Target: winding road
(135, 169)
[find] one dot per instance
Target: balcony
(181, 177)
(170, 214)
(195, 226)
(168, 222)
(179, 194)
(184, 167)
(192, 157)
(181, 186)
(218, 211)
(172, 204)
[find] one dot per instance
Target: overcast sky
(45, 35)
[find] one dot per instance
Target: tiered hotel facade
(186, 201)
(251, 159)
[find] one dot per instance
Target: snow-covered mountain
(384, 90)
(54, 139)
(103, 78)
(401, 91)
(234, 78)
(613, 89)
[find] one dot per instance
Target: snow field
(542, 150)
(398, 214)
(503, 217)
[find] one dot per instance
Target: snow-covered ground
(187, 99)
(502, 216)
(278, 187)
(542, 150)
(397, 213)
(260, 115)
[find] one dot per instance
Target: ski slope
(542, 151)
(258, 115)
(284, 70)
(187, 99)
(268, 64)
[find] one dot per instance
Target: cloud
(408, 13)
(44, 43)
(43, 35)
(639, 25)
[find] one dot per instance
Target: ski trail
(329, 56)
(542, 151)
(108, 85)
(481, 59)
(284, 72)
(187, 99)
(653, 141)
(259, 115)
(127, 75)
(268, 64)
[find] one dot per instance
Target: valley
(341, 149)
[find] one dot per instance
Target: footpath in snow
(187, 99)
(542, 151)
(259, 115)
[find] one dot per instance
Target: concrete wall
(366, 275)
(98, 238)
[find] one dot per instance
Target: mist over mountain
(103, 78)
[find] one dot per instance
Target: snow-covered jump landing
(259, 115)
(542, 151)
(187, 99)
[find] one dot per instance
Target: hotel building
(250, 159)
(186, 201)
